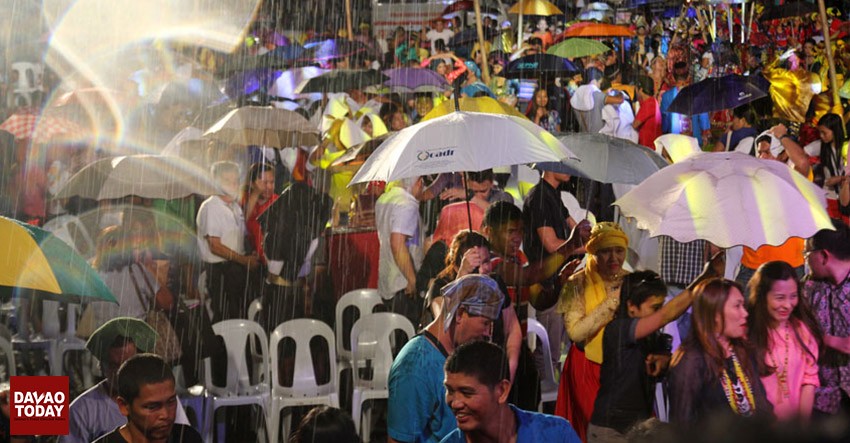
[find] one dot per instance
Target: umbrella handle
(468, 202)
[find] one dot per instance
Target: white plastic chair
(371, 340)
(29, 81)
(364, 301)
(72, 231)
(254, 315)
(548, 381)
(239, 389)
(9, 354)
(305, 389)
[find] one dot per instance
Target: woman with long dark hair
(786, 337)
(830, 173)
(541, 113)
(715, 369)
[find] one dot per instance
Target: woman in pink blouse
(786, 337)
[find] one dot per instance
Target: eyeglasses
(806, 254)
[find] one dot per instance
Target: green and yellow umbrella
(32, 258)
(578, 47)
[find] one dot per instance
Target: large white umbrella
(148, 176)
(264, 126)
(729, 199)
(461, 141)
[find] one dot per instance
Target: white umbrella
(678, 146)
(460, 141)
(148, 176)
(264, 126)
(729, 199)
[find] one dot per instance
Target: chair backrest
(304, 380)
(254, 310)
(9, 354)
(29, 77)
(535, 328)
(371, 340)
(236, 334)
(72, 231)
(364, 301)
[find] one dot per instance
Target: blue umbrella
(716, 94)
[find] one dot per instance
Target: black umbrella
(281, 57)
(540, 66)
(469, 37)
(788, 10)
(716, 94)
(342, 80)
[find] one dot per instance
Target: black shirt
(543, 208)
(625, 391)
(179, 434)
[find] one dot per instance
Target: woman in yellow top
(588, 303)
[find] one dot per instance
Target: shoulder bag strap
(146, 306)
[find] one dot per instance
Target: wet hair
(828, 151)
(480, 176)
(480, 359)
(836, 242)
(325, 424)
(637, 287)
(462, 242)
(140, 370)
(217, 169)
(255, 172)
(745, 112)
(439, 45)
(535, 41)
(532, 104)
(760, 321)
(709, 303)
(763, 138)
(591, 74)
(680, 71)
(501, 213)
(645, 84)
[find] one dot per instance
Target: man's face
(439, 25)
(469, 328)
(481, 189)
(816, 259)
(506, 239)
(763, 151)
(153, 411)
(229, 183)
(115, 358)
(473, 403)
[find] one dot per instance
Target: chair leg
(273, 422)
(366, 436)
(355, 409)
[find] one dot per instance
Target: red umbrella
(29, 124)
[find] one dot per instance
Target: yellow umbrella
(535, 7)
(473, 104)
(24, 264)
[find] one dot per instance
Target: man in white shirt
(439, 32)
(221, 244)
(400, 235)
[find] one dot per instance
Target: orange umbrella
(535, 7)
(591, 29)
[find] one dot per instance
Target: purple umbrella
(415, 80)
(334, 48)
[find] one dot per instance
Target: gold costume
(791, 91)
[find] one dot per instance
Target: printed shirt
(831, 306)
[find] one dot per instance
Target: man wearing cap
(417, 410)
(95, 412)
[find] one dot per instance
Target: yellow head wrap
(603, 235)
(606, 235)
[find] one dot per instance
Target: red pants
(577, 390)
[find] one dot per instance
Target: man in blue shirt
(417, 411)
(477, 386)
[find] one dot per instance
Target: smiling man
(477, 385)
(146, 396)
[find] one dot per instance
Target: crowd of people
(471, 257)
